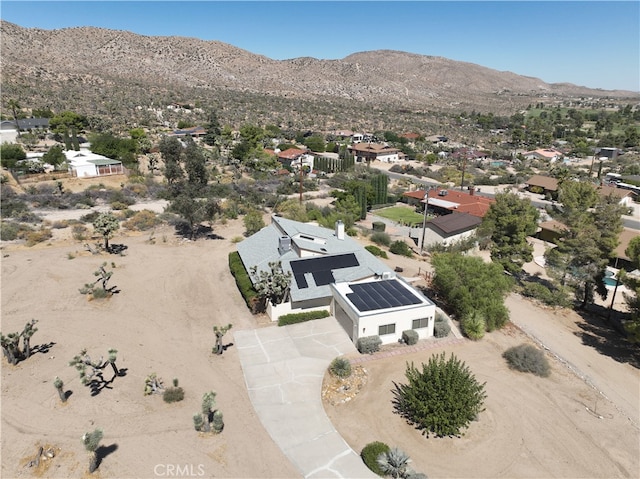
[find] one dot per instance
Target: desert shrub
(340, 367)
(440, 317)
(90, 217)
(527, 358)
(79, 232)
(38, 236)
(441, 330)
(58, 225)
(410, 337)
(142, 221)
(381, 238)
(368, 344)
(474, 326)
(352, 232)
(375, 251)
(99, 293)
(550, 297)
(136, 189)
(119, 206)
(294, 318)
(401, 248)
(9, 231)
(173, 394)
(441, 399)
(378, 226)
(370, 454)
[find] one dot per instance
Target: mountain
(109, 72)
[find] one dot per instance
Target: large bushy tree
(441, 399)
(468, 284)
(508, 223)
(106, 225)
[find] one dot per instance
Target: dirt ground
(172, 292)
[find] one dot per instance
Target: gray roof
(454, 223)
(307, 241)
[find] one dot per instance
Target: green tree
(441, 399)
(195, 166)
(193, 208)
(202, 421)
(272, 285)
(587, 242)
(508, 223)
(68, 123)
(315, 143)
(91, 441)
(632, 299)
(468, 284)
(106, 225)
(213, 128)
(171, 152)
(253, 222)
(10, 154)
(54, 156)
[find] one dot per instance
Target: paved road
(283, 369)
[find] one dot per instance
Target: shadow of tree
(601, 335)
(103, 451)
(199, 231)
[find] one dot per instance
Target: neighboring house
(367, 152)
(550, 230)
(84, 164)
(446, 229)
(435, 139)
(294, 157)
(546, 183)
(624, 197)
(547, 154)
(195, 132)
(326, 266)
(608, 153)
(444, 201)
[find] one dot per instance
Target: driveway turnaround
(283, 370)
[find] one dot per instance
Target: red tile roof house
(444, 201)
(447, 203)
(292, 157)
(548, 154)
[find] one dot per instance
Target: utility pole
(464, 167)
(301, 181)
(424, 221)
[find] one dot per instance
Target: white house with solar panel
(332, 272)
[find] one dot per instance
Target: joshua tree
(106, 224)
(202, 421)
(220, 332)
(91, 441)
(28, 331)
(112, 360)
(11, 347)
(218, 422)
(59, 385)
(11, 343)
(103, 277)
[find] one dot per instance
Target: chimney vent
(340, 230)
(284, 244)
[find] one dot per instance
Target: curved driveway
(283, 370)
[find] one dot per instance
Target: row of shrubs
(243, 281)
(396, 247)
(293, 318)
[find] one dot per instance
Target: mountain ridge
(96, 63)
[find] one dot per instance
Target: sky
(588, 43)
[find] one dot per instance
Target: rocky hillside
(116, 73)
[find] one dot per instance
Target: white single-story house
(325, 265)
(384, 307)
(84, 164)
(446, 229)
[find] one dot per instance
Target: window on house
(386, 329)
(420, 323)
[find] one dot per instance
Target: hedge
(375, 251)
(243, 281)
(370, 454)
(294, 318)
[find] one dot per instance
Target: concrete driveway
(283, 370)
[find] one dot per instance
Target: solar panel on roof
(321, 268)
(381, 295)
